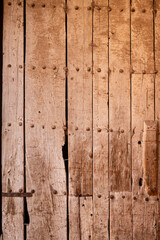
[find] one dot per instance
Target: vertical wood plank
(119, 120)
(144, 207)
(100, 121)
(45, 119)
(80, 96)
(120, 215)
(12, 119)
(142, 47)
(119, 96)
(157, 93)
(86, 217)
(74, 218)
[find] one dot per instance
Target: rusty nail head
(20, 66)
(99, 196)
(43, 126)
(133, 9)
(20, 190)
(65, 128)
(33, 67)
(44, 67)
(10, 190)
(156, 71)
(43, 5)
(122, 131)
(20, 123)
(144, 72)
(33, 5)
(9, 124)
(111, 197)
(77, 69)
(144, 10)
(53, 127)
(76, 7)
(88, 69)
(19, 3)
(55, 191)
(109, 9)
(146, 199)
(9, 65)
(32, 191)
(123, 196)
(98, 130)
(121, 71)
(90, 155)
(9, 3)
(89, 8)
(98, 8)
(76, 128)
(99, 70)
(54, 67)
(88, 129)
(64, 193)
(134, 198)
(111, 130)
(121, 10)
(32, 125)
(83, 205)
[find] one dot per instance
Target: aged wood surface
(45, 119)
(12, 120)
(74, 218)
(120, 216)
(119, 96)
(150, 157)
(144, 207)
(157, 93)
(100, 121)
(80, 96)
(142, 47)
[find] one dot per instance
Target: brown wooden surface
(150, 157)
(142, 36)
(12, 120)
(45, 119)
(79, 22)
(119, 96)
(144, 207)
(100, 121)
(113, 92)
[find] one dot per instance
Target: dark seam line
(109, 224)
(1, 70)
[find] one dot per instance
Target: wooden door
(80, 120)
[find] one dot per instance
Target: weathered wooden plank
(100, 121)
(144, 207)
(120, 215)
(79, 22)
(119, 96)
(45, 119)
(150, 157)
(12, 119)
(74, 218)
(142, 47)
(86, 218)
(157, 93)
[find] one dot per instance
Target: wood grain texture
(80, 97)
(12, 120)
(144, 207)
(45, 119)
(86, 218)
(120, 215)
(142, 47)
(119, 96)
(74, 218)
(100, 121)
(150, 157)
(157, 93)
